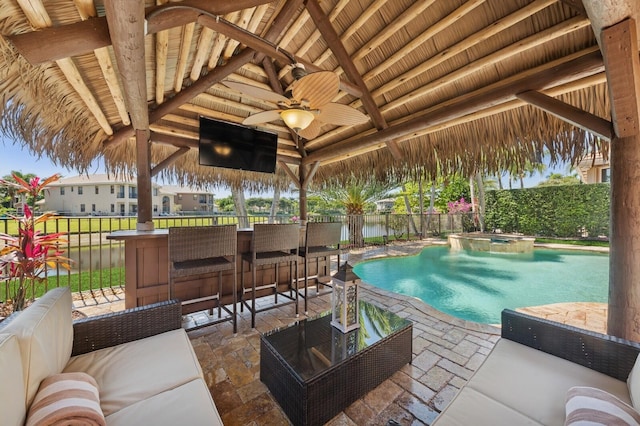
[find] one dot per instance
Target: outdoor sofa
(140, 360)
(527, 377)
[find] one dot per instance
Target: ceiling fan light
(297, 119)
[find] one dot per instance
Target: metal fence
(98, 263)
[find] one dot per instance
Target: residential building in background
(105, 195)
(594, 169)
(191, 200)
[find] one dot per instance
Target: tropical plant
(357, 196)
(25, 257)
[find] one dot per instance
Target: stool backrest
(275, 237)
(202, 242)
(323, 234)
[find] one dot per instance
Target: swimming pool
(476, 286)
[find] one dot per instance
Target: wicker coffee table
(315, 371)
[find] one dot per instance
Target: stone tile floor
(446, 352)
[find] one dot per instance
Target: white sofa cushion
(530, 382)
(12, 390)
(188, 404)
(138, 370)
(633, 382)
(45, 335)
(470, 407)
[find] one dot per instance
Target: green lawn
(593, 243)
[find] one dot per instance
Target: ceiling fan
(306, 103)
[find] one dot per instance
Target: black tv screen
(234, 146)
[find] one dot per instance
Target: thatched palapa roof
(446, 84)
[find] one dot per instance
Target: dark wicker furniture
(606, 354)
(197, 253)
(271, 244)
(314, 371)
(103, 331)
(322, 240)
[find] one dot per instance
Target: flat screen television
(233, 146)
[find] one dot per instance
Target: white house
(101, 194)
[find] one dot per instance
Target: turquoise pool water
(476, 286)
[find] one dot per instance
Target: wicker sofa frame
(606, 354)
(103, 331)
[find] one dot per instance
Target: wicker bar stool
(195, 252)
(271, 244)
(322, 240)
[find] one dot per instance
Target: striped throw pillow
(591, 406)
(66, 399)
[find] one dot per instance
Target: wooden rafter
(583, 83)
(169, 160)
(582, 119)
(162, 46)
(82, 37)
(580, 65)
(476, 66)
(183, 56)
(462, 45)
(331, 37)
(353, 28)
(492, 59)
(39, 18)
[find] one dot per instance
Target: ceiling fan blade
(312, 131)
(340, 115)
(263, 117)
(256, 92)
(318, 88)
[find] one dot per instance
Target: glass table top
(313, 345)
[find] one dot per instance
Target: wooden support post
(143, 159)
(620, 49)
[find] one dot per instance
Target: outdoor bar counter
(147, 272)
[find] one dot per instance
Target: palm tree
(355, 195)
(11, 190)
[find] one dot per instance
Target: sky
(13, 157)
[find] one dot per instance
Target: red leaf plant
(24, 258)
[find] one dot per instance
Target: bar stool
(199, 251)
(322, 240)
(271, 244)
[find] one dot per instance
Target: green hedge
(553, 211)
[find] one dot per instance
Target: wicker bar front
(317, 399)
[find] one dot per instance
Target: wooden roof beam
(127, 31)
(622, 71)
(169, 160)
(85, 36)
(582, 119)
(333, 41)
(580, 66)
(39, 18)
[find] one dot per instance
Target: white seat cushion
(189, 404)
(633, 383)
(135, 371)
(12, 390)
(470, 407)
(45, 335)
(532, 383)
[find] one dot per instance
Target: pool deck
(446, 352)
